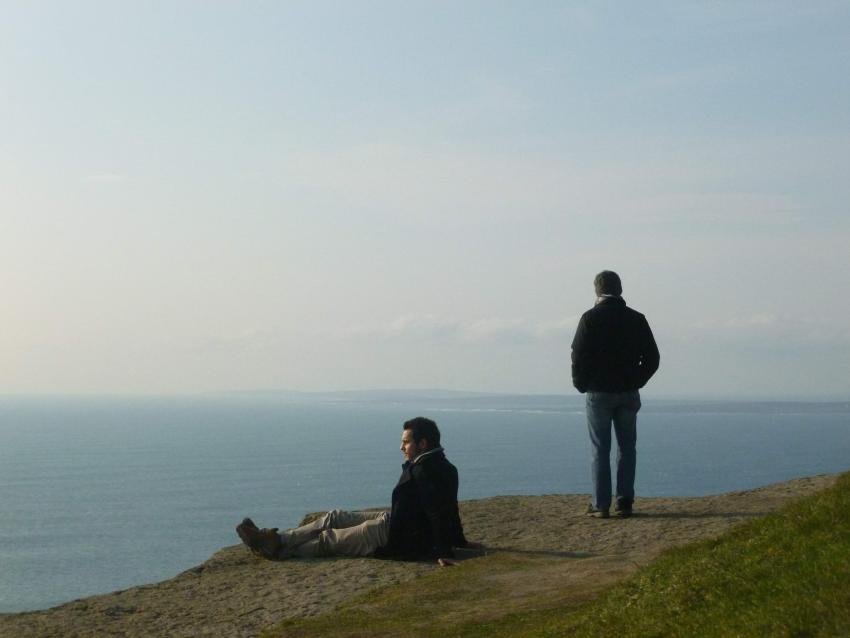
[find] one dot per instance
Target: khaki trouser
(338, 533)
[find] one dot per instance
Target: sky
(203, 196)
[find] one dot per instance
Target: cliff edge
(236, 594)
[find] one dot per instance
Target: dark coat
(613, 349)
(424, 520)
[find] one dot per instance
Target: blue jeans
(603, 409)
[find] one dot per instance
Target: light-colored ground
(235, 594)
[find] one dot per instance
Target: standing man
(614, 355)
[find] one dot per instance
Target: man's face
(409, 447)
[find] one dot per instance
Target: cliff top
(565, 553)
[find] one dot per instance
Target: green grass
(787, 574)
(437, 604)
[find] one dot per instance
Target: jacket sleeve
(650, 357)
(579, 357)
(438, 505)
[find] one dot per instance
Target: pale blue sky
(205, 196)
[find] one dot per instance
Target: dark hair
(423, 428)
(608, 283)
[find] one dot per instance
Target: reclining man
(424, 522)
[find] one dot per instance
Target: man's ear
(422, 444)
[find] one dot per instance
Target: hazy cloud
(740, 207)
(453, 330)
(769, 330)
(248, 340)
(106, 178)
(453, 184)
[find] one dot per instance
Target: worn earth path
(234, 594)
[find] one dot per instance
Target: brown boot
(264, 542)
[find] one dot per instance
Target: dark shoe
(264, 542)
(623, 507)
(595, 513)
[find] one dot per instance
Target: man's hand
(447, 562)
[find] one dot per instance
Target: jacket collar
(422, 457)
(610, 300)
(425, 455)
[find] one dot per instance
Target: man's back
(437, 482)
(613, 349)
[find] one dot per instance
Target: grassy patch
(787, 574)
(447, 602)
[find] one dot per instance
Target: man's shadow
(695, 515)
(462, 553)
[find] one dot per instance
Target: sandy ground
(234, 594)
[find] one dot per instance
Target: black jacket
(424, 520)
(613, 349)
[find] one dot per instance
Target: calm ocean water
(99, 494)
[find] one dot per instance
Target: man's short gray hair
(607, 283)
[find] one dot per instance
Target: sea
(99, 494)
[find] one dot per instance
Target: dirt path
(234, 594)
